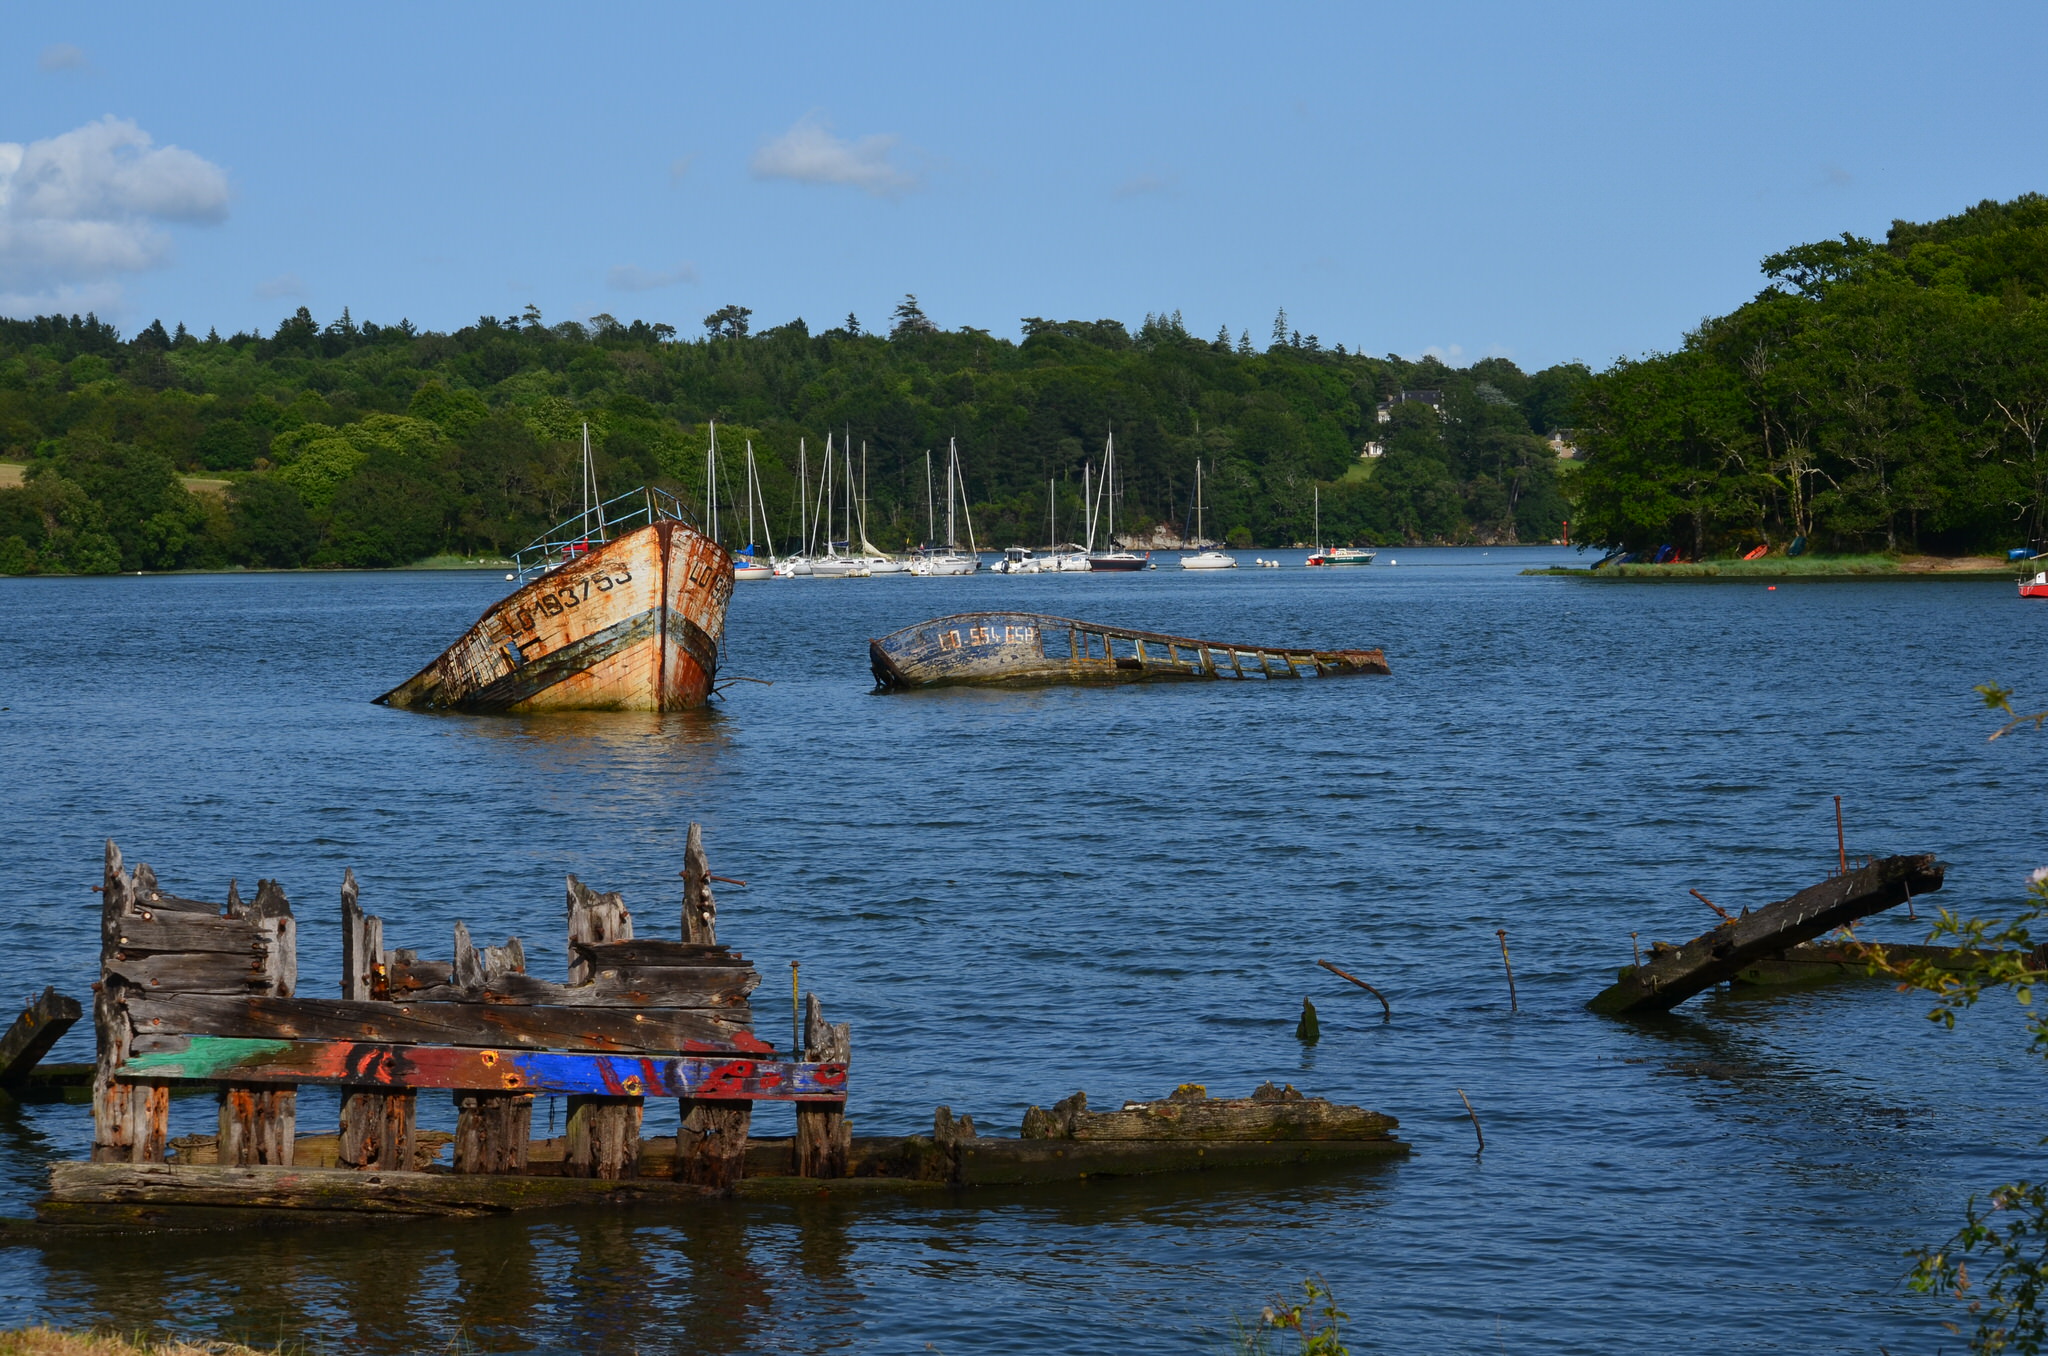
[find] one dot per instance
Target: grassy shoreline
(1806, 567)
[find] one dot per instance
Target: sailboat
(1072, 557)
(745, 563)
(948, 560)
(1336, 555)
(790, 567)
(1114, 558)
(1209, 559)
(832, 565)
(877, 560)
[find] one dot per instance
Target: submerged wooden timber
(1674, 974)
(1834, 961)
(618, 609)
(1186, 1132)
(1027, 649)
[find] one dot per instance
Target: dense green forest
(1885, 396)
(353, 444)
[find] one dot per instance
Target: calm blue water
(1014, 895)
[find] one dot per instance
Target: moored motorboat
(1208, 560)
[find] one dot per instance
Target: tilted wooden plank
(491, 1025)
(1712, 957)
(33, 1033)
(363, 1064)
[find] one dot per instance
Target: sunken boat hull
(630, 625)
(1024, 649)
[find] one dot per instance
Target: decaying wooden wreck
(619, 608)
(1022, 649)
(200, 994)
(1769, 937)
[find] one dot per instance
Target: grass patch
(42, 1341)
(1806, 567)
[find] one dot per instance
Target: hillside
(371, 445)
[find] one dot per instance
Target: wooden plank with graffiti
(367, 1065)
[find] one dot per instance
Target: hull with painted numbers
(630, 625)
(1020, 649)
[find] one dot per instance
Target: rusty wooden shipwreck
(619, 608)
(1764, 945)
(1022, 649)
(195, 994)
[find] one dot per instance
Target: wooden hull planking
(632, 626)
(1022, 649)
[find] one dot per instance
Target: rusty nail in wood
(1712, 905)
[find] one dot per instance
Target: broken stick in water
(1502, 933)
(1712, 905)
(1475, 1121)
(1385, 1006)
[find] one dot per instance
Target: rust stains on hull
(633, 625)
(1023, 649)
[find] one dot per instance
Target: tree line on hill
(1874, 396)
(365, 445)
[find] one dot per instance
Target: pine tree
(1244, 343)
(910, 318)
(1280, 327)
(852, 326)
(1223, 337)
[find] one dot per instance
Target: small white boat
(1210, 559)
(746, 567)
(792, 567)
(930, 564)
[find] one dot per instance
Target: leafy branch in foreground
(2006, 1231)
(1315, 1321)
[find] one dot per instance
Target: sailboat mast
(931, 506)
(711, 481)
(1198, 501)
(1088, 502)
(589, 486)
(952, 476)
(803, 493)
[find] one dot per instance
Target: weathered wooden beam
(617, 987)
(700, 910)
(1671, 978)
(603, 1137)
(490, 1025)
(993, 1162)
(332, 1189)
(362, 1064)
(258, 1125)
(594, 919)
(492, 1130)
(378, 1130)
(130, 1121)
(711, 1145)
(824, 1137)
(33, 1033)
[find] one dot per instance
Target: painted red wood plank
(364, 1065)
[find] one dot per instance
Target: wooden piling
(378, 1129)
(260, 1122)
(824, 1137)
(492, 1130)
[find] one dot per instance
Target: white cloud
(1450, 355)
(84, 207)
(61, 56)
(633, 278)
(808, 153)
(283, 285)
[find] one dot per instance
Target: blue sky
(1544, 182)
